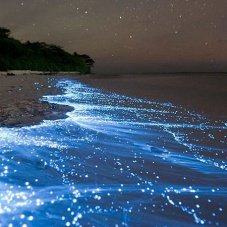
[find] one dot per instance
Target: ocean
(114, 161)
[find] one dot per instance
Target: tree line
(39, 56)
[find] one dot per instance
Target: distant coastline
(30, 72)
(103, 75)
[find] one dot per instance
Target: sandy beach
(20, 95)
(20, 102)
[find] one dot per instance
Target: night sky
(129, 36)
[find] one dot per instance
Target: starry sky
(127, 36)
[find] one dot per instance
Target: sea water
(114, 161)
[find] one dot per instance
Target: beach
(20, 100)
(20, 96)
(133, 150)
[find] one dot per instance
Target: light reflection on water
(115, 160)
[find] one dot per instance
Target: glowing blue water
(114, 161)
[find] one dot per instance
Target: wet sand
(200, 93)
(20, 96)
(20, 102)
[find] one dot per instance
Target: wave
(115, 160)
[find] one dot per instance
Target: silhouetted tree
(88, 60)
(39, 56)
(4, 32)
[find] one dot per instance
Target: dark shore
(20, 100)
(20, 96)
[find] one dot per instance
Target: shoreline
(200, 93)
(40, 73)
(21, 104)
